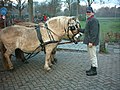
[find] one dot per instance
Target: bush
(82, 17)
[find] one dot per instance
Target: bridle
(72, 27)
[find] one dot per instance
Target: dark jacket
(91, 31)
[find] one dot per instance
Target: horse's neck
(55, 34)
(57, 28)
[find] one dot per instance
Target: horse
(43, 36)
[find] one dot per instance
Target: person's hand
(90, 45)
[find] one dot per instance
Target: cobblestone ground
(67, 74)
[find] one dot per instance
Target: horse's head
(73, 28)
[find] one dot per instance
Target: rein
(30, 55)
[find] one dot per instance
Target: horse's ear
(73, 18)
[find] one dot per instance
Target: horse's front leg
(47, 59)
(49, 49)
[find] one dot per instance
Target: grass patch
(107, 25)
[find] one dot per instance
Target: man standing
(91, 38)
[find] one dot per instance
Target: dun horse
(28, 39)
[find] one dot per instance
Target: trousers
(92, 55)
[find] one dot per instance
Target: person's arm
(81, 30)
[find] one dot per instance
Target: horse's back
(19, 37)
(12, 33)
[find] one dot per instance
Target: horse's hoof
(47, 68)
(11, 68)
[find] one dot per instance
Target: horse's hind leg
(7, 55)
(19, 55)
(53, 59)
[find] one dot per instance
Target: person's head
(89, 11)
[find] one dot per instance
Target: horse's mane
(58, 22)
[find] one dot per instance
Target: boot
(91, 72)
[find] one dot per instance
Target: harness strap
(49, 32)
(37, 28)
(30, 55)
(45, 43)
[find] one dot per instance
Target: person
(44, 18)
(91, 38)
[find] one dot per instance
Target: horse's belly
(32, 49)
(30, 45)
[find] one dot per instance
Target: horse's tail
(0, 44)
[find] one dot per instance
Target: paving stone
(67, 74)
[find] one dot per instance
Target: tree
(20, 6)
(69, 6)
(118, 2)
(90, 2)
(78, 6)
(73, 6)
(30, 8)
(51, 8)
(6, 3)
(55, 6)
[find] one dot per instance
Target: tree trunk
(77, 13)
(20, 14)
(30, 9)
